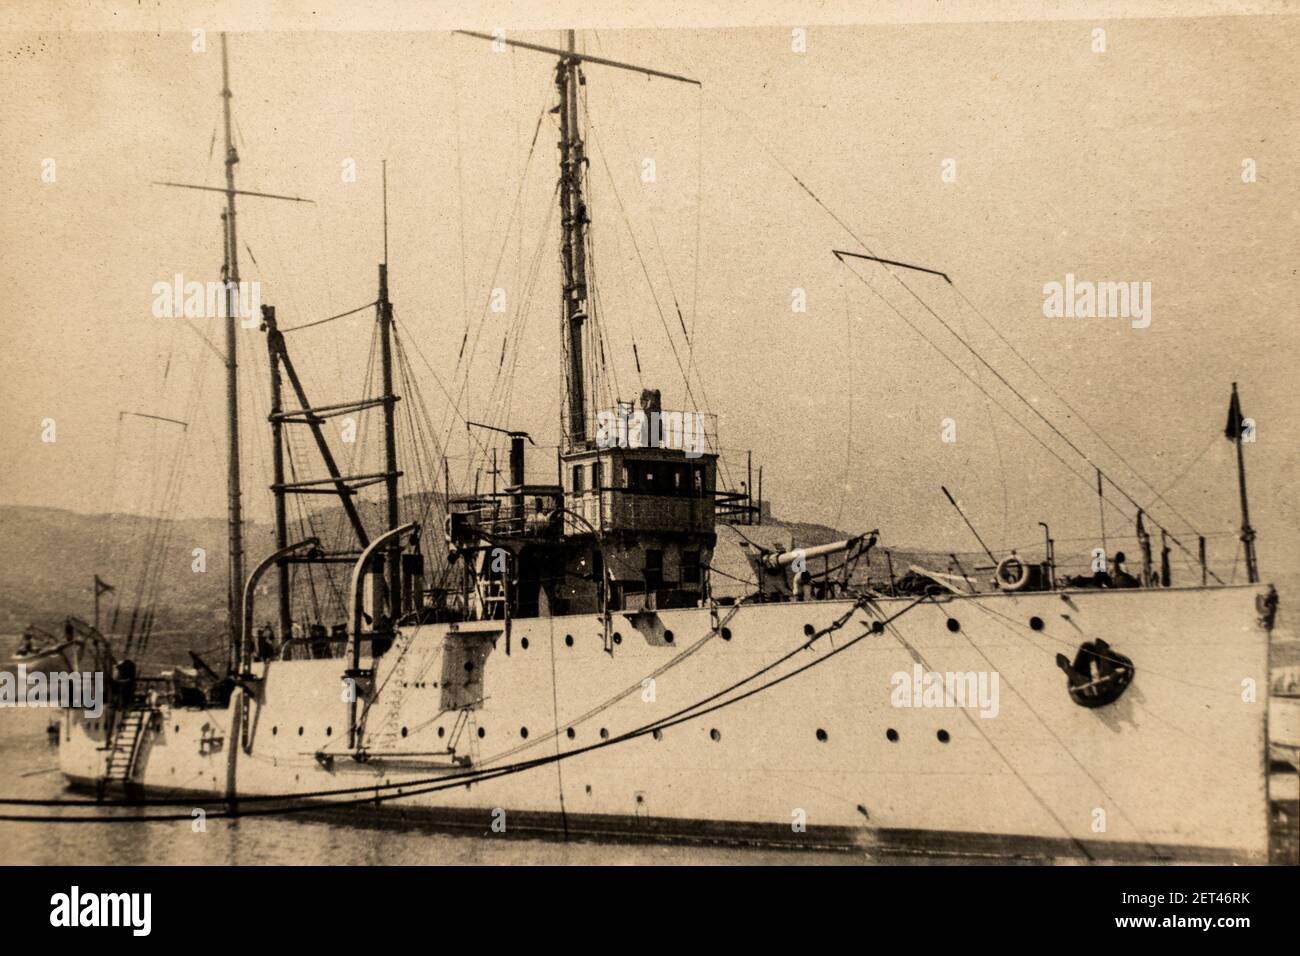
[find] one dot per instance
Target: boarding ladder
(124, 748)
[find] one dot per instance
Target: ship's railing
(506, 515)
(1074, 559)
(580, 512)
(626, 426)
(735, 507)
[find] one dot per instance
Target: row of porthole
(714, 734)
(669, 637)
(329, 731)
(954, 625)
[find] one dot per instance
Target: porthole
(329, 731)
(715, 735)
(604, 734)
(404, 731)
(481, 733)
(274, 730)
(570, 734)
(568, 640)
(441, 731)
(524, 643)
(954, 625)
(618, 638)
(657, 734)
(523, 732)
(943, 736)
(299, 731)
(668, 637)
(891, 735)
(877, 627)
(1035, 623)
(822, 735)
(726, 633)
(809, 630)
(177, 729)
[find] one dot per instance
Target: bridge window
(595, 476)
(663, 478)
(654, 569)
(691, 568)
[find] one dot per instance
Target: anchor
(1098, 676)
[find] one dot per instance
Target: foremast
(235, 518)
(230, 268)
(574, 220)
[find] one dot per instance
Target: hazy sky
(1117, 166)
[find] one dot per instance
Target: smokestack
(517, 472)
(516, 459)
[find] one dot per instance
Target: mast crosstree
(234, 481)
(573, 214)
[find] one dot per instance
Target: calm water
(23, 749)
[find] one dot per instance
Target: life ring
(1006, 583)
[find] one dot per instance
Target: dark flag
(1233, 431)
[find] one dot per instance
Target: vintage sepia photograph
(584, 434)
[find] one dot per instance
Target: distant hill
(49, 558)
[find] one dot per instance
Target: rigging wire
(897, 278)
(672, 344)
(969, 377)
(463, 391)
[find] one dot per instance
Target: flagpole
(100, 587)
(1247, 532)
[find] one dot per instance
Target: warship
(560, 655)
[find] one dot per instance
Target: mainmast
(385, 316)
(573, 222)
(573, 213)
(235, 597)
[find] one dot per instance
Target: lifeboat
(50, 656)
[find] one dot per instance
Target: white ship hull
(1174, 769)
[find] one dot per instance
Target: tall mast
(235, 598)
(573, 221)
(230, 276)
(573, 212)
(385, 309)
(273, 344)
